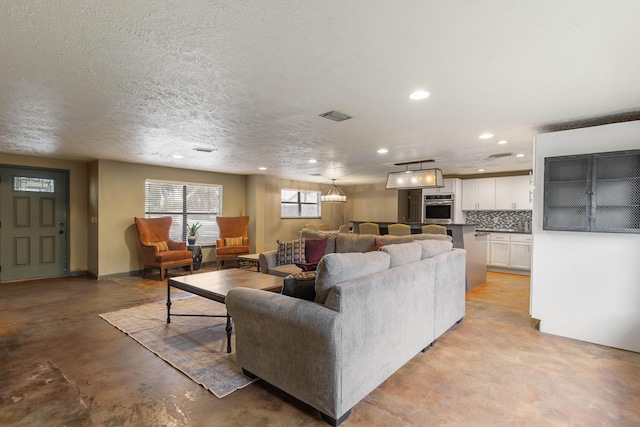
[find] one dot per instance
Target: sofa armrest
(298, 344)
(268, 260)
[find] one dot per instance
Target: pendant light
(333, 195)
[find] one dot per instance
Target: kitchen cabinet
(520, 251)
(511, 251)
(449, 187)
(514, 193)
(499, 250)
(593, 192)
(479, 194)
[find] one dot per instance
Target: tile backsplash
(497, 220)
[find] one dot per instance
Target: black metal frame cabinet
(593, 192)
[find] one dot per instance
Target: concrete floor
(494, 369)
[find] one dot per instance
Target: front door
(33, 223)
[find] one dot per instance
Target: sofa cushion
(347, 242)
(166, 256)
(301, 285)
(337, 268)
(402, 253)
(285, 270)
(314, 250)
(291, 252)
(431, 248)
(389, 239)
(232, 250)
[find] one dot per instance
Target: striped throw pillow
(291, 252)
(233, 241)
(160, 246)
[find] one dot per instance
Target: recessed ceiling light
(262, 168)
(520, 155)
(419, 94)
(313, 161)
(480, 170)
(178, 156)
(383, 151)
(486, 136)
(502, 141)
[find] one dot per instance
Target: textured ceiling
(140, 81)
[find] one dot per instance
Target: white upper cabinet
(513, 193)
(478, 194)
(449, 187)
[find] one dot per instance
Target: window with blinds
(300, 204)
(185, 203)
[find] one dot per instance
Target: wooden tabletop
(215, 285)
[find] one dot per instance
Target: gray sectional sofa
(338, 243)
(373, 312)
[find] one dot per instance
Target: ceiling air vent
(336, 116)
(203, 149)
(497, 156)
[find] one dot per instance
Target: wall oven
(438, 208)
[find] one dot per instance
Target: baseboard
(509, 271)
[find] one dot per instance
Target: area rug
(40, 393)
(196, 346)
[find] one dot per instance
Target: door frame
(67, 207)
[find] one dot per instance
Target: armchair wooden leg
(162, 271)
(190, 268)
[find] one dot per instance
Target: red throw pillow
(314, 250)
(379, 245)
(308, 266)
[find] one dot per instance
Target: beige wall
(371, 202)
(113, 193)
(276, 228)
(77, 202)
(121, 197)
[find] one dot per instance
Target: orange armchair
(233, 239)
(158, 250)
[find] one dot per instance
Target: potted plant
(193, 229)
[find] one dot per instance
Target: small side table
(196, 253)
(253, 260)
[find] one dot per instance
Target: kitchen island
(464, 237)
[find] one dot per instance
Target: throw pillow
(301, 285)
(314, 250)
(379, 245)
(291, 252)
(233, 241)
(160, 246)
(310, 266)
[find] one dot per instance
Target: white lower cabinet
(499, 250)
(520, 252)
(510, 251)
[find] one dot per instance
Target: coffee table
(252, 259)
(215, 285)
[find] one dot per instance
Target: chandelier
(333, 195)
(421, 178)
